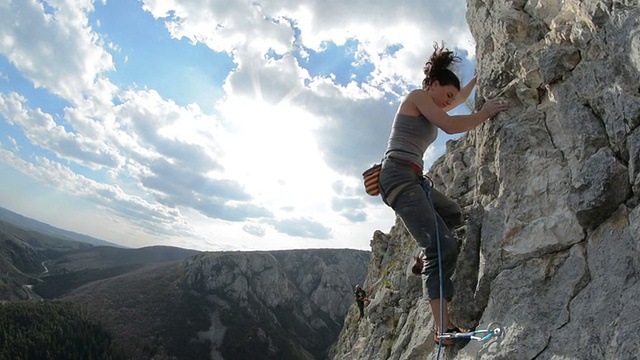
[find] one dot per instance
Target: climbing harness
(494, 328)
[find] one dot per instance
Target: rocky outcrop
(277, 304)
(286, 304)
(550, 189)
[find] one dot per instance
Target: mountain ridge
(237, 305)
(165, 302)
(27, 223)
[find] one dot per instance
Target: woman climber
(411, 195)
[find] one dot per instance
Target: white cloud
(14, 143)
(43, 131)
(49, 47)
(153, 217)
(247, 29)
(303, 227)
(253, 229)
(277, 164)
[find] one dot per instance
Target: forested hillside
(51, 330)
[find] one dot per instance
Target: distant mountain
(31, 251)
(103, 257)
(229, 305)
(22, 253)
(46, 229)
(170, 303)
(79, 267)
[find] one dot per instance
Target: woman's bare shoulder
(417, 92)
(410, 103)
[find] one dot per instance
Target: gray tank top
(410, 137)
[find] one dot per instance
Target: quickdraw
(494, 329)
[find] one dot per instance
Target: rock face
(287, 304)
(278, 304)
(550, 189)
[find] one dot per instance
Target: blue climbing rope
(426, 185)
(493, 329)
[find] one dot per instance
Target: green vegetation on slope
(55, 286)
(149, 312)
(51, 330)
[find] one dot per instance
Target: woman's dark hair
(437, 68)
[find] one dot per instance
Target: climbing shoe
(449, 342)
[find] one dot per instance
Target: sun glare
(273, 151)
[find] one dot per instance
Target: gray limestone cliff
(550, 189)
(287, 304)
(276, 304)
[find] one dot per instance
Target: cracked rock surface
(550, 189)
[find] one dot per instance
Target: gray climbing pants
(407, 194)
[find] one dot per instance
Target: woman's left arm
(463, 95)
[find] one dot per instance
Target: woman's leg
(448, 209)
(435, 310)
(419, 217)
(417, 213)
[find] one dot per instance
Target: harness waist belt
(415, 167)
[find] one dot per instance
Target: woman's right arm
(457, 123)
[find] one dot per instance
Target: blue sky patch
(338, 60)
(146, 50)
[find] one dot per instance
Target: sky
(213, 125)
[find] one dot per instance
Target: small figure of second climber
(361, 297)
